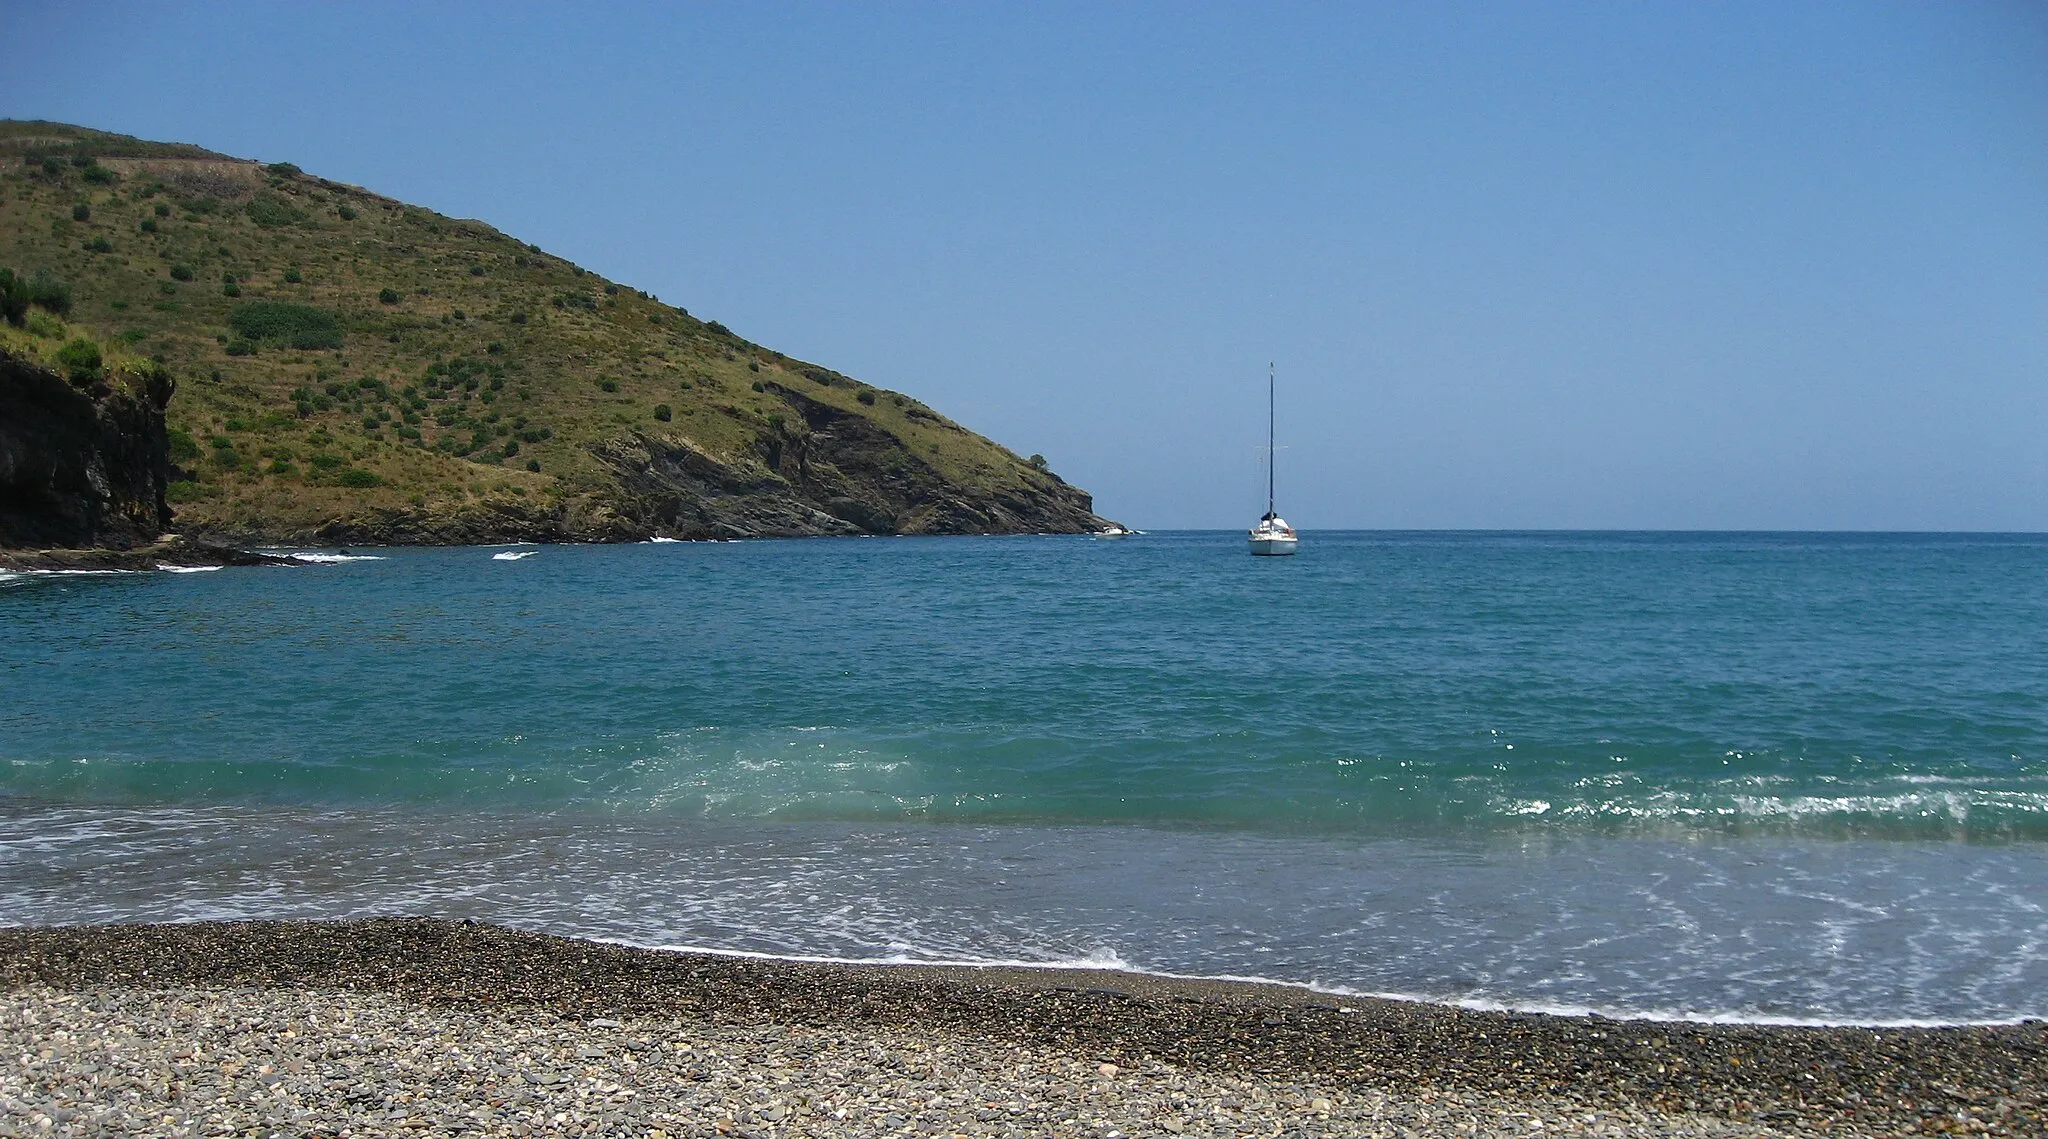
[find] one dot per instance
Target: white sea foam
(513, 555)
(333, 559)
(187, 569)
(1109, 961)
(659, 540)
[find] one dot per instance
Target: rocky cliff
(84, 458)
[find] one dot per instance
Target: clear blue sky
(1676, 265)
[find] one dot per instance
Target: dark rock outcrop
(81, 466)
(828, 472)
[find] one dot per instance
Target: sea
(1766, 778)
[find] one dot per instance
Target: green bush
(49, 294)
(184, 448)
(663, 413)
(345, 213)
(52, 168)
(608, 385)
(718, 328)
(476, 270)
(292, 276)
(81, 212)
(231, 290)
(358, 477)
(387, 296)
(99, 175)
(239, 346)
(163, 209)
(272, 212)
(279, 322)
(283, 170)
(18, 292)
(14, 297)
(533, 465)
(99, 245)
(181, 272)
(149, 225)
(322, 461)
(866, 397)
(80, 358)
(758, 387)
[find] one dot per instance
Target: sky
(1528, 266)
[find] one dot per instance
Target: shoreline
(1834, 1079)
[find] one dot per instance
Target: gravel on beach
(430, 1027)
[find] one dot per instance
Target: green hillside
(350, 367)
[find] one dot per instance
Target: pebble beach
(430, 1027)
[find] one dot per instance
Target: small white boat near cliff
(1272, 537)
(1116, 530)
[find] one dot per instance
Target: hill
(350, 368)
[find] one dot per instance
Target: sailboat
(1272, 537)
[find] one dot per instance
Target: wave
(331, 559)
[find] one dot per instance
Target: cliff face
(84, 465)
(827, 471)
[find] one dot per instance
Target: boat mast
(1269, 440)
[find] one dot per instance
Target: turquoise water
(1736, 776)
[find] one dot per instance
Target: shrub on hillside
(345, 213)
(663, 413)
(866, 397)
(162, 209)
(231, 290)
(184, 448)
(99, 245)
(18, 292)
(282, 170)
(272, 212)
(300, 326)
(358, 477)
(387, 296)
(81, 360)
(292, 276)
(81, 212)
(181, 272)
(149, 225)
(99, 175)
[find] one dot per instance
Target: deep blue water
(1746, 776)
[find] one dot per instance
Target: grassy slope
(282, 435)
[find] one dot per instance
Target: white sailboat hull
(1273, 547)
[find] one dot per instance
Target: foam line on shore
(1110, 963)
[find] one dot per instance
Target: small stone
(1109, 1070)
